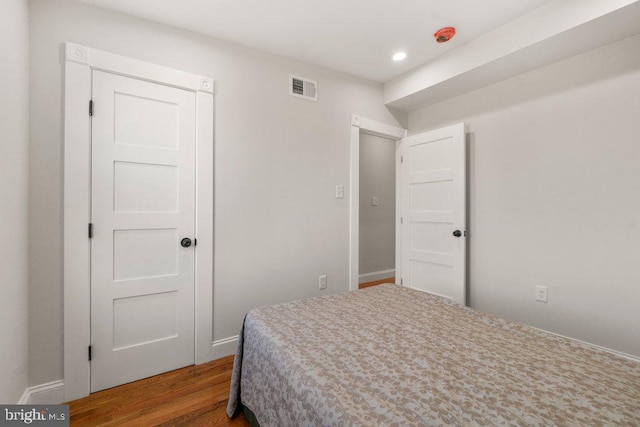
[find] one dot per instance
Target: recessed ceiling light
(399, 56)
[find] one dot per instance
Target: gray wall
(278, 225)
(14, 177)
(377, 223)
(554, 169)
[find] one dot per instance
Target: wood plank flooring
(192, 396)
(377, 282)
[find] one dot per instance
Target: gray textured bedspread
(393, 356)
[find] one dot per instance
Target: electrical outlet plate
(339, 191)
(541, 293)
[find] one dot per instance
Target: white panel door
(433, 200)
(143, 205)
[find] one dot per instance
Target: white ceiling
(357, 37)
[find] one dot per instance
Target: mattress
(392, 356)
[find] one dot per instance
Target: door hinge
(89, 353)
(90, 230)
(91, 107)
(401, 220)
(401, 159)
(401, 281)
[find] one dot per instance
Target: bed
(392, 356)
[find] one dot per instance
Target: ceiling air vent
(303, 88)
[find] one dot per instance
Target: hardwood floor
(192, 396)
(377, 282)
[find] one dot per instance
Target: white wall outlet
(339, 191)
(374, 201)
(541, 293)
(322, 282)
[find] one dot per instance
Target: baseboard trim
(376, 275)
(596, 346)
(24, 399)
(225, 347)
(44, 394)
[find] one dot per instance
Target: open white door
(143, 206)
(433, 200)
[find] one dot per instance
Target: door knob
(186, 242)
(457, 233)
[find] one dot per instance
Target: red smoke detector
(445, 34)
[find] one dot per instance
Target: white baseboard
(53, 393)
(24, 399)
(225, 347)
(376, 275)
(44, 394)
(596, 346)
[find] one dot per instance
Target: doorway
(377, 210)
(138, 191)
(430, 216)
(375, 132)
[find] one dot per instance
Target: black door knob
(186, 242)
(457, 233)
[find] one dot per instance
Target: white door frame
(80, 61)
(371, 127)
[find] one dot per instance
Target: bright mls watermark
(37, 415)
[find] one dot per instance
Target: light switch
(374, 201)
(322, 282)
(542, 294)
(339, 191)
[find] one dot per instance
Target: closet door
(143, 216)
